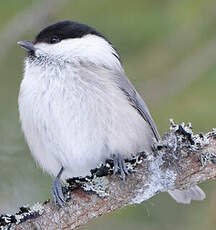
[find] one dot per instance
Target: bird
(77, 108)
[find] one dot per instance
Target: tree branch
(180, 160)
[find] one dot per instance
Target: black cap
(64, 30)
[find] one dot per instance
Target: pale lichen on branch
(180, 160)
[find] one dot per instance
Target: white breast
(75, 118)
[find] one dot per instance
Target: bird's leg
(56, 191)
(119, 164)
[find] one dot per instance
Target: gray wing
(137, 102)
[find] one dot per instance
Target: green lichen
(97, 185)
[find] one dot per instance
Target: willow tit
(77, 108)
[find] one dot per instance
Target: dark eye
(54, 40)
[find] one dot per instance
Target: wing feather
(137, 102)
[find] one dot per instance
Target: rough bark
(180, 160)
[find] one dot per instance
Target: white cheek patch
(39, 53)
(60, 49)
(89, 48)
(43, 49)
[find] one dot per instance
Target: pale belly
(79, 129)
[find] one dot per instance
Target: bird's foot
(119, 164)
(57, 191)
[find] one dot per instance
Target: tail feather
(185, 196)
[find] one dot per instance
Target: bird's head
(72, 41)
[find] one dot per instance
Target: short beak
(27, 45)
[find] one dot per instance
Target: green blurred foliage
(10, 8)
(153, 38)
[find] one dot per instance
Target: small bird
(77, 108)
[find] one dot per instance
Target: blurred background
(168, 50)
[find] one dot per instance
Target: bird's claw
(57, 192)
(119, 164)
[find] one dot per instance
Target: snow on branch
(180, 160)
